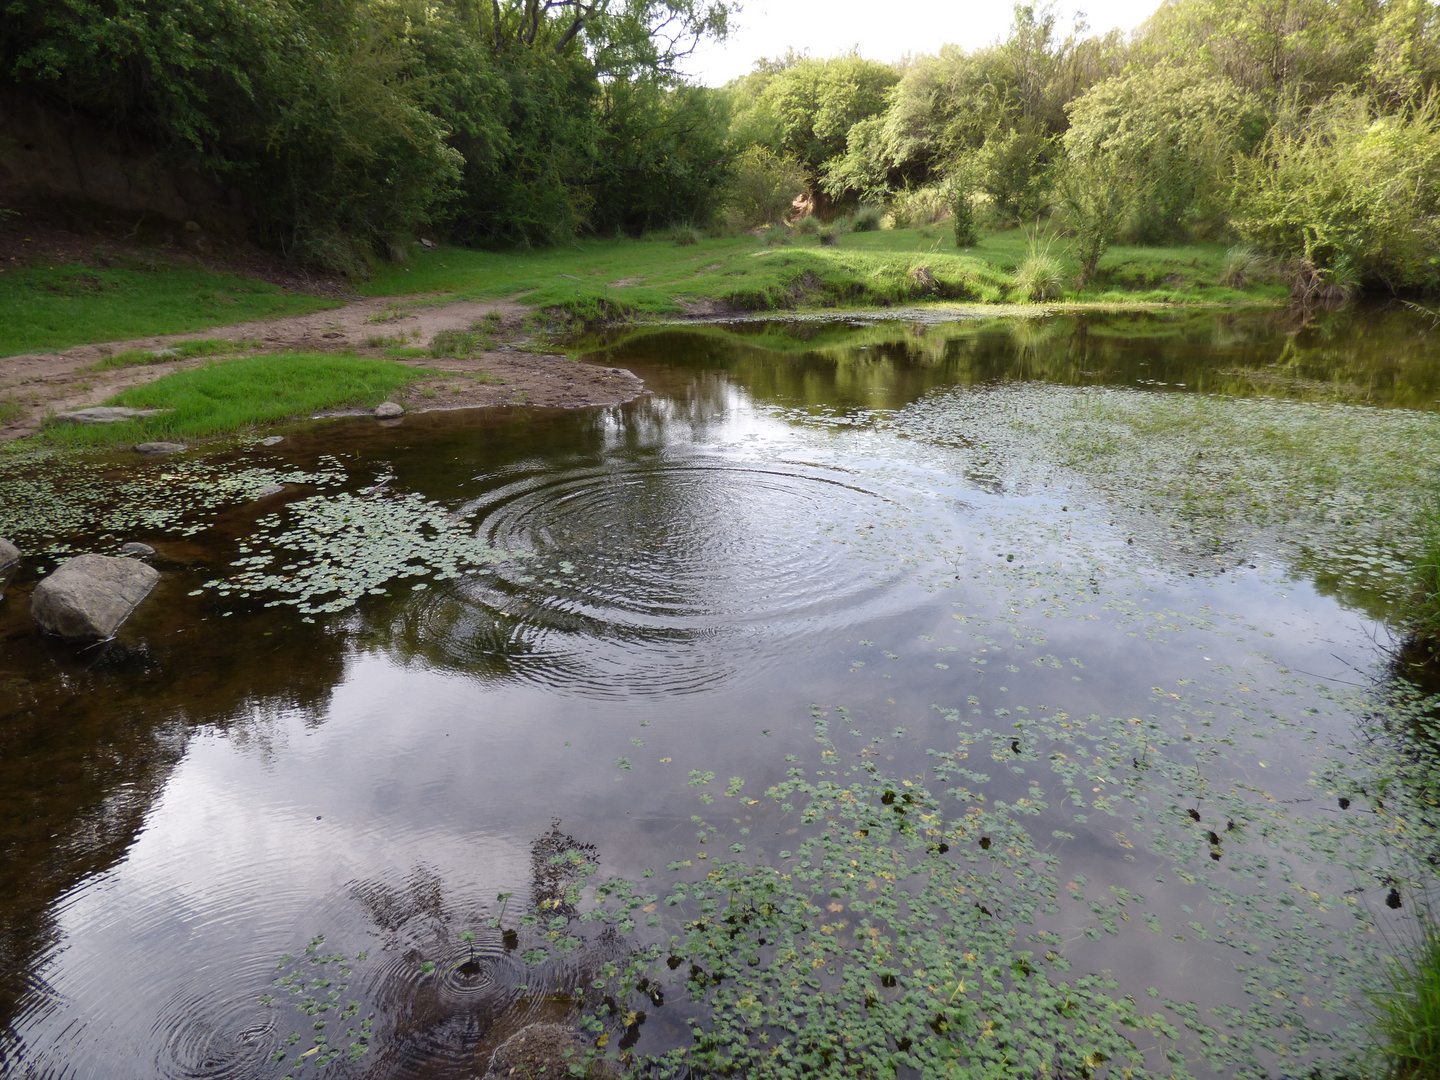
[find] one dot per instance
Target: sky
(882, 31)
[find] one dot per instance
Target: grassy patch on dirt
(54, 307)
(603, 280)
(231, 395)
(181, 350)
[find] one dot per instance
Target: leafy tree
(765, 185)
(817, 102)
(1166, 136)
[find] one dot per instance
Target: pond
(887, 695)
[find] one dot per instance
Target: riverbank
(487, 321)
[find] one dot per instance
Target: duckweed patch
(324, 553)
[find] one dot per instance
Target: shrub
(867, 219)
(962, 211)
(829, 236)
(920, 206)
(775, 235)
(765, 186)
(1348, 194)
(808, 225)
(686, 235)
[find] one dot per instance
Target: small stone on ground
(388, 410)
(272, 440)
(159, 447)
(135, 547)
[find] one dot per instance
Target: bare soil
(46, 383)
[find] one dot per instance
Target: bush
(920, 206)
(829, 235)
(765, 186)
(1348, 194)
(962, 211)
(808, 225)
(685, 235)
(775, 235)
(867, 219)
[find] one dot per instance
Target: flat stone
(268, 490)
(89, 596)
(9, 555)
(272, 440)
(105, 414)
(159, 447)
(388, 410)
(135, 547)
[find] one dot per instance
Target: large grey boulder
(9, 555)
(89, 596)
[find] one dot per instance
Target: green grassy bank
(607, 279)
(232, 395)
(47, 306)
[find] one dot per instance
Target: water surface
(1139, 576)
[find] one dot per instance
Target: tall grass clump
(1040, 276)
(1240, 266)
(1425, 622)
(1405, 1016)
(867, 219)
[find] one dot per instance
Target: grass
(181, 350)
(45, 307)
(857, 268)
(1405, 1016)
(232, 395)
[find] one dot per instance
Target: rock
(134, 547)
(159, 447)
(9, 555)
(388, 410)
(89, 596)
(268, 490)
(545, 1050)
(105, 414)
(272, 440)
(427, 243)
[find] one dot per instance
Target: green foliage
(817, 102)
(1241, 266)
(764, 186)
(962, 210)
(181, 350)
(1164, 141)
(1014, 169)
(1349, 194)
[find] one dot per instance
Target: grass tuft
(1040, 276)
(1240, 267)
(868, 218)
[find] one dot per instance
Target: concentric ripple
(662, 575)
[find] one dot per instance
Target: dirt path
(46, 383)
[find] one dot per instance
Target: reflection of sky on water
(432, 754)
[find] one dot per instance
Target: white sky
(883, 29)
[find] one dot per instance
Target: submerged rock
(268, 490)
(159, 447)
(135, 547)
(388, 410)
(9, 555)
(105, 414)
(89, 596)
(545, 1050)
(272, 440)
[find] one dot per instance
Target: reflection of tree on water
(88, 741)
